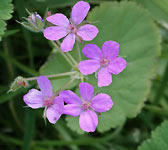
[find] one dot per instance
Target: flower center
(72, 28)
(48, 102)
(104, 62)
(85, 105)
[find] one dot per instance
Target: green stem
(72, 59)
(54, 75)
(78, 51)
(63, 54)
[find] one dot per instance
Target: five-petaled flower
(86, 106)
(71, 28)
(45, 98)
(105, 61)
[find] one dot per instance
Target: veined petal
(55, 32)
(58, 104)
(101, 103)
(92, 51)
(86, 91)
(87, 32)
(68, 43)
(88, 66)
(34, 98)
(104, 77)
(88, 121)
(117, 65)
(72, 110)
(79, 12)
(52, 115)
(70, 97)
(45, 86)
(58, 19)
(110, 49)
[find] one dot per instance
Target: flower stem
(78, 51)
(73, 60)
(54, 75)
(63, 54)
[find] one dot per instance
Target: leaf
(6, 8)
(158, 140)
(57, 64)
(139, 41)
(157, 8)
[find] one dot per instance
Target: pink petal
(79, 12)
(88, 66)
(58, 19)
(110, 49)
(68, 43)
(55, 111)
(88, 121)
(34, 98)
(55, 33)
(101, 103)
(45, 86)
(117, 65)
(104, 77)
(70, 97)
(86, 91)
(52, 115)
(87, 32)
(92, 51)
(72, 110)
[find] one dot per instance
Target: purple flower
(45, 98)
(106, 62)
(86, 106)
(71, 28)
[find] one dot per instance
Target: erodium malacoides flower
(105, 61)
(71, 29)
(45, 98)
(86, 106)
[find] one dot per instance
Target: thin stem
(57, 47)
(78, 51)
(54, 75)
(73, 60)
(67, 84)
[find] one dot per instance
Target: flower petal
(92, 51)
(88, 121)
(34, 98)
(88, 66)
(104, 77)
(117, 65)
(58, 104)
(72, 110)
(68, 43)
(87, 32)
(86, 91)
(58, 19)
(52, 115)
(70, 97)
(45, 86)
(79, 12)
(101, 103)
(55, 33)
(110, 49)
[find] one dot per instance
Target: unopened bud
(18, 83)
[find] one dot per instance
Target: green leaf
(57, 64)
(6, 8)
(139, 41)
(158, 140)
(157, 8)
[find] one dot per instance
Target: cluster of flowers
(105, 62)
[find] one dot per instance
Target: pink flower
(71, 28)
(106, 62)
(86, 106)
(45, 98)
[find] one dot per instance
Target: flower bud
(18, 83)
(33, 22)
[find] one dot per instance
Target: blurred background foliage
(23, 53)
